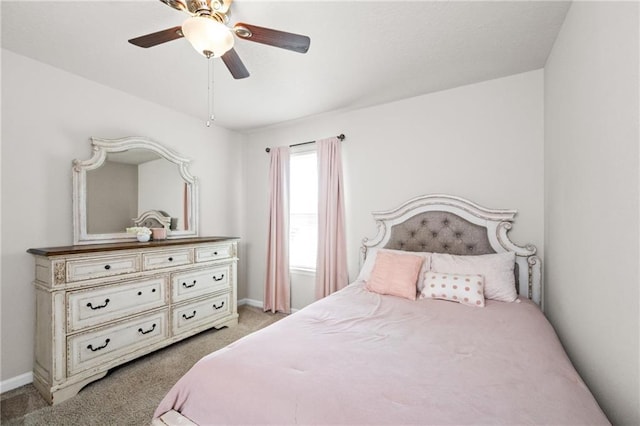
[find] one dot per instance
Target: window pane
(303, 219)
(303, 241)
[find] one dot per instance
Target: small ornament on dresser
(143, 234)
(159, 233)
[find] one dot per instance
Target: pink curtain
(277, 287)
(331, 268)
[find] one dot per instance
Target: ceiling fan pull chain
(210, 116)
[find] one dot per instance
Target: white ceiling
(362, 53)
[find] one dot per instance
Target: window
(303, 214)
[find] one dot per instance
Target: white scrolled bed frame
(496, 222)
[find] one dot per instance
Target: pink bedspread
(360, 358)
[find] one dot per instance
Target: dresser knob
(171, 259)
(107, 267)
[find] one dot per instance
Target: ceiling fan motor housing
(199, 7)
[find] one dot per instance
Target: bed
(443, 325)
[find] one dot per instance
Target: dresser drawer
(187, 285)
(100, 267)
(99, 305)
(214, 252)
(193, 315)
(116, 343)
(166, 259)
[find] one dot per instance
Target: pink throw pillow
(395, 274)
(465, 289)
(367, 267)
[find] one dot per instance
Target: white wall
(591, 191)
(48, 116)
(483, 142)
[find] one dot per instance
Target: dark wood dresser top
(90, 248)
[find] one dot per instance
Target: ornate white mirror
(131, 182)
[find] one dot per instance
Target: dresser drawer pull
(153, 327)
(189, 317)
(218, 279)
(106, 302)
(185, 285)
(170, 259)
(106, 342)
(153, 290)
(218, 307)
(107, 267)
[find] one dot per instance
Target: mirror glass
(129, 184)
(130, 179)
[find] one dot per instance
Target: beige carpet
(129, 394)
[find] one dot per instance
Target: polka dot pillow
(465, 289)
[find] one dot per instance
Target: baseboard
(257, 304)
(16, 382)
(250, 302)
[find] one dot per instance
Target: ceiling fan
(208, 33)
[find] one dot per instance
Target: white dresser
(98, 306)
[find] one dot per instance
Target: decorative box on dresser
(100, 305)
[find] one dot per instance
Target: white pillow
(367, 267)
(497, 270)
(460, 288)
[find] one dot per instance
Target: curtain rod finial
(341, 136)
(268, 149)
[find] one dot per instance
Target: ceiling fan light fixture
(208, 36)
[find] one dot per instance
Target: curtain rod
(341, 136)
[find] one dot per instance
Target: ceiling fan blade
(235, 65)
(160, 37)
(296, 42)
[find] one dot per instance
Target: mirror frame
(102, 147)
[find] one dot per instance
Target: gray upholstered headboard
(439, 232)
(447, 224)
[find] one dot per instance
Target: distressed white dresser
(98, 306)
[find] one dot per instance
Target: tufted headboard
(453, 225)
(439, 232)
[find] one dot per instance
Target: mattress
(357, 357)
